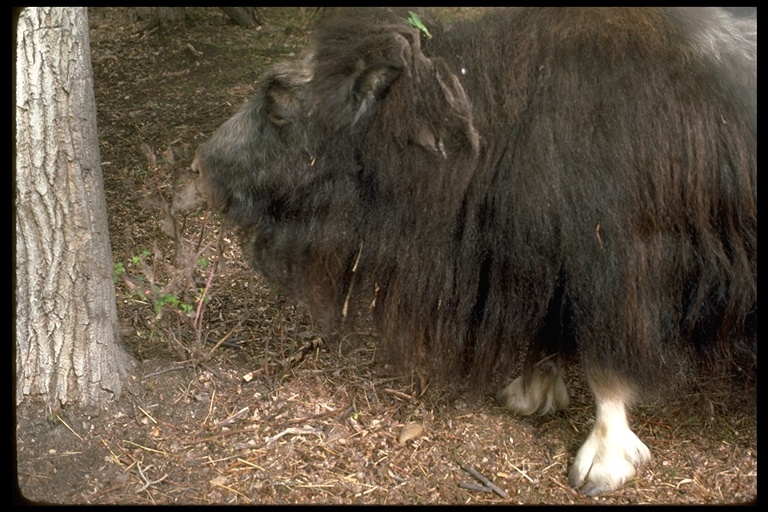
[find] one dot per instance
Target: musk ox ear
(282, 93)
(372, 84)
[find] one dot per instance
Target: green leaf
(119, 270)
(415, 21)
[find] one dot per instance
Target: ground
(273, 414)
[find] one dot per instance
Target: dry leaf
(410, 431)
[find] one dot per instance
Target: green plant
(118, 271)
(141, 280)
(415, 21)
(138, 259)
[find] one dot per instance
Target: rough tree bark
(246, 17)
(67, 346)
(163, 16)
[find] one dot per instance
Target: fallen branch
(399, 394)
(472, 471)
(295, 431)
(474, 487)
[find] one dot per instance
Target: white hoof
(610, 455)
(544, 393)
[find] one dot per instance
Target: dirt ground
(274, 415)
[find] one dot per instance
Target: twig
(349, 410)
(160, 372)
(345, 308)
(469, 469)
(246, 498)
(296, 431)
(563, 487)
(474, 487)
(227, 344)
(322, 415)
(399, 394)
(70, 428)
(114, 456)
(597, 233)
(199, 312)
(210, 406)
(147, 481)
(522, 473)
(251, 464)
(147, 414)
(232, 418)
(227, 336)
(144, 447)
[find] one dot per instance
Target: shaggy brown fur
(539, 181)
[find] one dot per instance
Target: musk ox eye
(276, 119)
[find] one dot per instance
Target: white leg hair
(611, 453)
(544, 393)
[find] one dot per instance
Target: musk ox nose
(197, 168)
(199, 185)
(196, 164)
(189, 196)
(204, 185)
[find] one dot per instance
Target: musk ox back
(533, 186)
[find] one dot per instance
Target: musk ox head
(310, 119)
(318, 174)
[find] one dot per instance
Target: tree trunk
(67, 346)
(161, 17)
(246, 17)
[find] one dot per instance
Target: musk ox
(533, 186)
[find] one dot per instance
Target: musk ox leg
(539, 390)
(611, 453)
